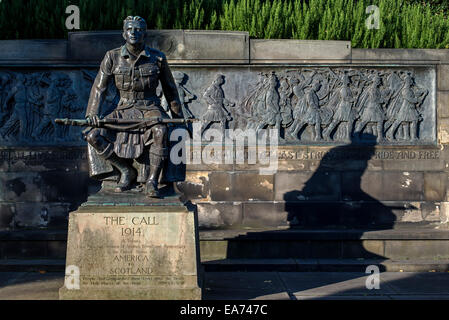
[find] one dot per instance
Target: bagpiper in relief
(217, 104)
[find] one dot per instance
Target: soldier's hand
(93, 120)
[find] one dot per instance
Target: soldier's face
(134, 33)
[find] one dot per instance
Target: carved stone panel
(308, 105)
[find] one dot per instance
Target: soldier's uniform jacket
(136, 80)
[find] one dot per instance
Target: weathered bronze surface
(136, 71)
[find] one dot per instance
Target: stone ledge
(415, 56)
(290, 51)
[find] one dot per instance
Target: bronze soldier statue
(137, 71)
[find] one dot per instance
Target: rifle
(127, 125)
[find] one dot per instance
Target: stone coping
(207, 47)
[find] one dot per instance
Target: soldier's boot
(105, 150)
(156, 163)
(127, 173)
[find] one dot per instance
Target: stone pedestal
(132, 252)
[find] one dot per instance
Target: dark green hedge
(404, 23)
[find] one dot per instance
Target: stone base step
(326, 265)
(405, 243)
(262, 265)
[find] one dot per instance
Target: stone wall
(342, 181)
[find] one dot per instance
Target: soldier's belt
(140, 95)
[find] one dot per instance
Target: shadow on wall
(321, 229)
(314, 206)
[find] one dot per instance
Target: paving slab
(226, 294)
(414, 283)
(33, 286)
(331, 284)
(264, 286)
(368, 297)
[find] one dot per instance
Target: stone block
(415, 165)
(444, 212)
(220, 186)
(219, 214)
(443, 131)
(132, 253)
(21, 249)
(298, 50)
(240, 186)
(325, 249)
(443, 104)
(213, 250)
(31, 215)
(261, 214)
(403, 186)
(28, 52)
(61, 186)
(258, 249)
(357, 213)
(299, 186)
(443, 77)
(213, 47)
(404, 56)
(20, 186)
(417, 249)
(363, 249)
(435, 186)
(358, 185)
(56, 249)
(180, 46)
(430, 212)
(7, 211)
(252, 186)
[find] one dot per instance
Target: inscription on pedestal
(133, 250)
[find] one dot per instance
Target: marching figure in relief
(371, 110)
(307, 111)
(19, 112)
(344, 114)
(404, 110)
(68, 106)
(35, 102)
(52, 108)
(5, 80)
(285, 104)
(268, 110)
(216, 110)
(185, 96)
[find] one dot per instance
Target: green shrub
(403, 23)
